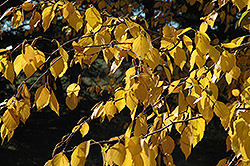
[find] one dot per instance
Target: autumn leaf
(79, 155)
(141, 46)
(84, 129)
(42, 97)
(116, 154)
(60, 160)
(93, 17)
(48, 15)
(10, 119)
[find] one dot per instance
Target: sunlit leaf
(202, 42)
(60, 160)
(186, 141)
(18, 64)
(141, 127)
(48, 15)
(9, 73)
(222, 111)
(58, 67)
(120, 100)
(179, 56)
(73, 16)
(110, 109)
(42, 97)
(79, 156)
(116, 154)
(84, 129)
(53, 103)
(198, 126)
(24, 110)
(10, 119)
(141, 46)
(93, 17)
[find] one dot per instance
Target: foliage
(175, 79)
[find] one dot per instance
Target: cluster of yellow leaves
(29, 61)
(17, 110)
(118, 38)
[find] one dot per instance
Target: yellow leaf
(63, 53)
(25, 92)
(134, 146)
(188, 42)
(58, 67)
(10, 119)
(235, 92)
(203, 27)
(60, 160)
(222, 111)
(120, 100)
(9, 72)
(110, 109)
(198, 126)
(28, 53)
(228, 61)
(19, 64)
(84, 129)
(141, 127)
(27, 6)
(242, 130)
(73, 16)
(240, 3)
(202, 42)
(17, 19)
(141, 46)
(39, 59)
(168, 145)
(93, 17)
(116, 154)
(131, 102)
(72, 101)
(186, 141)
(29, 69)
(214, 54)
(140, 91)
(179, 56)
(102, 37)
(53, 103)
(200, 60)
(120, 32)
(235, 72)
(215, 91)
(79, 156)
(153, 58)
(24, 110)
(5, 132)
(48, 15)
(35, 19)
(73, 88)
(42, 97)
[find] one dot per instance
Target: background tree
(165, 73)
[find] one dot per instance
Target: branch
(186, 120)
